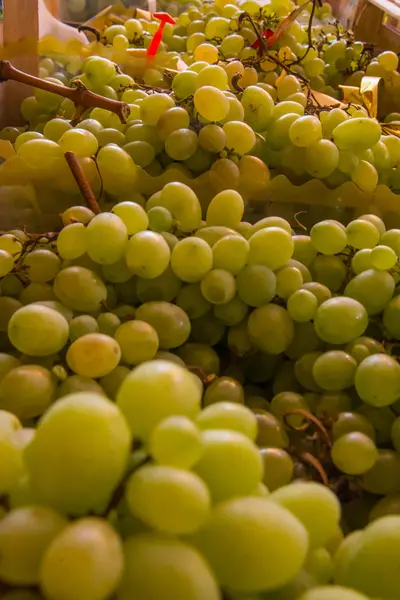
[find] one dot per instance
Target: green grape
(302, 305)
(270, 432)
(154, 391)
(223, 389)
(315, 506)
(164, 287)
(334, 370)
(328, 237)
(191, 259)
(391, 238)
(329, 270)
(93, 355)
(142, 153)
(388, 60)
(383, 257)
(304, 250)
(270, 328)
(354, 453)
(340, 320)
(133, 215)
(72, 241)
(335, 592)
(365, 176)
(27, 391)
(80, 289)
(117, 272)
(223, 170)
(228, 415)
(207, 53)
(42, 265)
(345, 553)
(285, 403)
(200, 356)
(357, 134)
(304, 370)
(287, 107)
(7, 363)
(78, 383)
(278, 132)
(230, 253)
(226, 209)
(55, 128)
(112, 159)
(107, 238)
(26, 137)
(160, 219)
(362, 234)
(321, 292)
(212, 138)
(169, 321)
(176, 442)
(150, 570)
(147, 254)
(377, 380)
(383, 478)
(288, 280)
(271, 247)
(6, 263)
(319, 564)
(239, 137)
(347, 161)
(211, 103)
(100, 70)
(91, 125)
(168, 499)
(153, 106)
(82, 325)
(11, 286)
(181, 144)
(305, 131)
(390, 317)
(192, 302)
(25, 534)
(107, 136)
(80, 141)
(37, 292)
(38, 330)
(264, 561)
(373, 289)
(138, 341)
(84, 561)
(11, 244)
(361, 261)
(173, 118)
(8, 306)
(258, 107)
(212, 76)
(373, 569)
(349, 422)
(218, 286)
(226, 453)
(82, 214)
(231, 313)
(75, 436)
(321, 158)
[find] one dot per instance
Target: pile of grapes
(197, 404)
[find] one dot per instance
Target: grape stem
(310, 419)
(119, 491)
(79, 95)
(83, 183)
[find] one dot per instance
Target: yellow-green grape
(27, 391)
(357, 134)
(305, 131)
(154, 391)
(80, 289)
(377, 380)
(271, 247)
(153, 106)
(133, 215)
(191, 301)
(340, 320)
(302, 305)
(211, 103)
(176, 442)
(354, 453)
(107, 238)
(191, 259)
(273, 546)
(373, 288)
(230, 253)
(42, 265)
(256, 285)
(82, 214)
(172, 119)
(231, 313)
(170, 500)
(239, 137)
(93, 355)
(79, 141)
(227, 452)
(72, 241)
(38, 330)
(55, 128)
(26, 137)
(218, 286)
(85, 561)
(181, 144)
(81, 325)
(138, 341)
(206, 52)
(212, 138)
(228, 415)
(335, 592)
(258, 106)
(25, 535)
(365, 176)
(288, 281)
(6, 263)
(150, 570)
(170, 322)
(147, 254)
(75, 436)
(383, 257)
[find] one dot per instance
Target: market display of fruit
(200, 400)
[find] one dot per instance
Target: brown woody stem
(309, 459)
(83, 184)
(310, 420)
(79, 95)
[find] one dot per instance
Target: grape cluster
(198, 401)
(218, 343)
